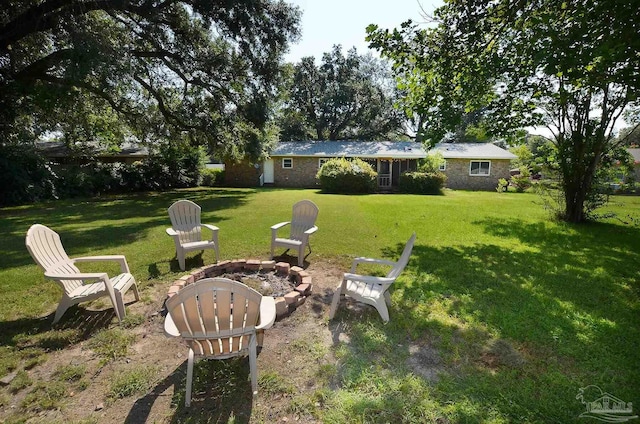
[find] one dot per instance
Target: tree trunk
(574, 203)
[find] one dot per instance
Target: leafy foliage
(431, 163)
(572, 67)
(24, 174)
(202, 71)
(342, 175)
(344, 98)
(212, 177)
(422, 182)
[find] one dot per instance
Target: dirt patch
(294, 351)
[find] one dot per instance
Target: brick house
(295, 164)
(474, 166)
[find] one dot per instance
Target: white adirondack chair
(370, 289)
(46, 249)
(219, 318)
(187, 230)
(303, 220)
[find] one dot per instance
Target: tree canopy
(573, 67)
(344, 98)
(200, 71)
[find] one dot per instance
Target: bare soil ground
(295, 350)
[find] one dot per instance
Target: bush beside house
(347, 176)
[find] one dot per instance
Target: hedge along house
(295, 164)
(474, 166)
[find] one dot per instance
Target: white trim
(480, 168)
(291, 163)
(321, 162)
(443, 166)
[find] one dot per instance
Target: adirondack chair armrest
(213, 228)
(78, 276)
(311, 230)
(124, 266)
(170, 329)
(267, 313)
(362, 260)
(369, 279)
(279, 225)
(171, 232)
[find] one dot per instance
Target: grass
(135, 381)
(520, 311)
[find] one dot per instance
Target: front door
(268, 171)
(384, 174)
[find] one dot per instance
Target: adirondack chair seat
(304, 215)
(372, 290)
(198, 245)
(186, 230)
(219, 318)
(46, 249)
(293, 244)
(121, 283)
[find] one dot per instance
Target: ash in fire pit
(266, 283)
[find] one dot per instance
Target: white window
(287, 163)
(321, 162)
(443, 166)
(480, 167)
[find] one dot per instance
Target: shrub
(212, 177)
(431, 163)
(347, 176)
(25, 175)
(422, 182)
(521, 181)
(503, 184)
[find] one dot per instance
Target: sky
(328, 22)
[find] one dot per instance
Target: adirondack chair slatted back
(216, 316)
(185, 220)
(404, 258)
(304, 216)
(46, 249)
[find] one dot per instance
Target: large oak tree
(571, 66)
(200, 71)
(343, 98)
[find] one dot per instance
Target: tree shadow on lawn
(221, 393)
(566, 304)
(149, 210)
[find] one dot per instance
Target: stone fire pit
(289, 285)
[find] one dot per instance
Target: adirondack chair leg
(387, 298)
(301, 256)
(253, 364)
(383, 311)
(136, 293)
(65, 303)
(336, 300)
(181, 262)
(187, 396)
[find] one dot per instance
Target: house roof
(389, 149)
(361, 149)
(472, 151)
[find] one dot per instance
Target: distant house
(474, 166)
(295, 164)
(58, 152)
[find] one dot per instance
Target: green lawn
(518, 312)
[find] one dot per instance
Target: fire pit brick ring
(290, 285)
